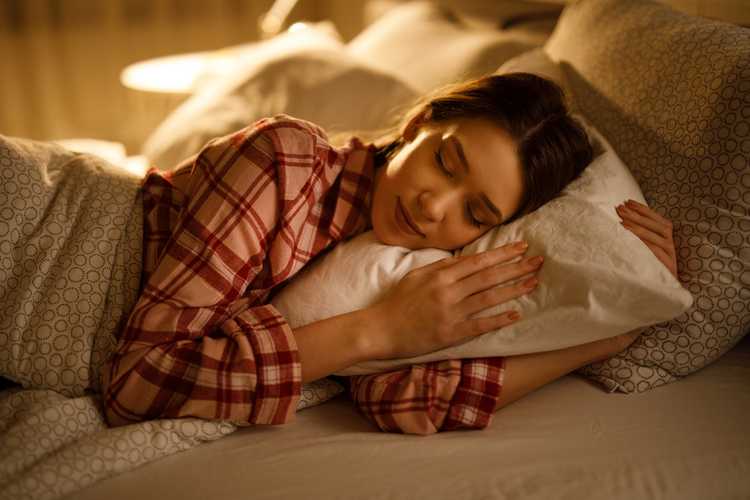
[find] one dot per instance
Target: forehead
(494, 166)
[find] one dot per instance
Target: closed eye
(441, 164)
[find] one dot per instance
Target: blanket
(71, 231)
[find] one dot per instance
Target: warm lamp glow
(173, 74)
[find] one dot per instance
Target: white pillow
(598, 279)
(305, 74)
(428, 47)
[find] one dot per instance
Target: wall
(61, 59)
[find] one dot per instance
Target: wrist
(373, 336)
(330, 345)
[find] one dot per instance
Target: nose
(435, 204)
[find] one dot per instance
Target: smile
(404, 221)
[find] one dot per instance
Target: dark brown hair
(553, 147)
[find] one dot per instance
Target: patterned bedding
(70, 257)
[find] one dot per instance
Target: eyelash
(441, 165)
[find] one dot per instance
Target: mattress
(567, 440)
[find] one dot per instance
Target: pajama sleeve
(200, 341)
(431, 397)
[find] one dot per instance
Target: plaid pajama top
(221, 231)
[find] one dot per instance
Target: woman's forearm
(527, 372)
(335, 343)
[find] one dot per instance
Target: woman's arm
(527, 372)
(200, 341)
(463, 394)
(456, 394)
(335, 343)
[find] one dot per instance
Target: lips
(402, 217)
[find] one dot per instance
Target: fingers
(478, 326)
(468, 265)
(495, 296)
(648, 212)
(644, 216)
(648, 236)
(495, 275)
(651, 228)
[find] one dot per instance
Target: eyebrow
(464, 162)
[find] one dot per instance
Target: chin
(382, 236)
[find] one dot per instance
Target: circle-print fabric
(70, 262)
(672, 93)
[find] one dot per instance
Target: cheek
(407, 166)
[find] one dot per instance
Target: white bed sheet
(568, 440)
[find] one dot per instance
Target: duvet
(70, 267)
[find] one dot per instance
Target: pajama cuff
(477, 394)
(278, 367)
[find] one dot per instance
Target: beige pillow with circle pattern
(672, 94)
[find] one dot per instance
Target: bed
(665, 419)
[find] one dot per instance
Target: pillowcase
(672, 93)
(301, 73)
(589, 288)
(398, 41)
(317, 392)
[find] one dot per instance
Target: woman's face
(449, 184)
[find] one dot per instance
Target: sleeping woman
(229, 226)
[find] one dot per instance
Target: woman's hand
(432, 307)
(653, 229)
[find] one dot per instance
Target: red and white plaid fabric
(221, 231)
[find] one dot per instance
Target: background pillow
(396, 42)
(589, 287)
(537, 61)
(532, 15)
(302, 73)
(672, 93)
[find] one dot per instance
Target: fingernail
(521, 245)
(514, 316)
(530, 283)
(536, 261)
